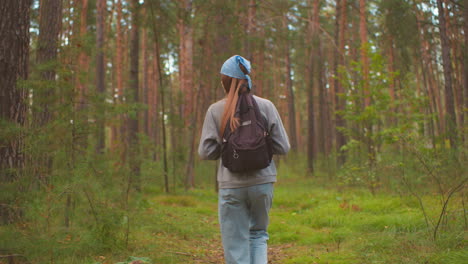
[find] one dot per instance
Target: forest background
(102, 103)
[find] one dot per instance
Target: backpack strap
(258, 115)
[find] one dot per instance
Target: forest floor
(310, 223)
(313, 221)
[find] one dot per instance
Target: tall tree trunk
(341, 6)
(144, 87)
(457, 86)
(186, 57)
(155, 87)
(314, 75)
(391, 67)
(428, 74)
(447, 66)
(322, 123)
(364, 47)
(251, 28)
(14, 58)
(135, 97)
(50, 24)
(83, 58)
(81, 83)
(253, 46)
(100, 72)
(365, 80)
(186, 71)
(465, 56)
(118, 129)
(50, 21)
(161, 95)
(290, 91)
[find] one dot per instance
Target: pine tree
(14, 58)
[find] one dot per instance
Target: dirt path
(214, 254)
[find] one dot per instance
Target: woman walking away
(246, 173)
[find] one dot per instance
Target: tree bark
(322, 124)
(100, 72)
(253, 47)
(364, 47)
(50, 21)
(83, 58)
(447, 66)
(314, 75)
(50, 24)
(135, 97)
(14, 58)
(428, 75)
(465, 56)
(118, 130)
(144, 87)
(340, 102)
(154, 88)
(290, 91)
(186, 57)
(159, 81)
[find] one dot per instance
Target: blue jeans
(243, 217)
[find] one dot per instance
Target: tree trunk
(154, 98)
(118, 129)
(83, 58)
(368, 134)
(100, 73)
(290, 91)
(364, 47)
(144, 88)
(135, 97)
(50, 21)
(159, 82)
(457, 86)
(186, 71)
(186, 57)
(322, 123)
(447, 66)
(314, 75)
(50, 24)
(341, 6)
(80, 116)
(465, 56)
(428, 74)
(253, 46)
(14, 58)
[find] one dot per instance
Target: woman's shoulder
(218, 105)
(263, 101)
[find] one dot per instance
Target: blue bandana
(231, 68)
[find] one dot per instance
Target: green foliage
(312, 220)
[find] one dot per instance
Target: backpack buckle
(235, 155)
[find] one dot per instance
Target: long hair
(233, 87)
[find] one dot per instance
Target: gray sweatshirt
(210, 145)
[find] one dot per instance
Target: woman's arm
(210, 146)
(277, 132)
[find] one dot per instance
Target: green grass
(312, 221)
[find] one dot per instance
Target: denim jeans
(243, 217)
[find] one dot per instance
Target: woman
(244, 198)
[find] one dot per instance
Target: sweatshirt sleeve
(210, 147)
(278, 133)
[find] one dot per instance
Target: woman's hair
(233, 87)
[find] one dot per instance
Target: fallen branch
(11, 256)
(181, 253)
